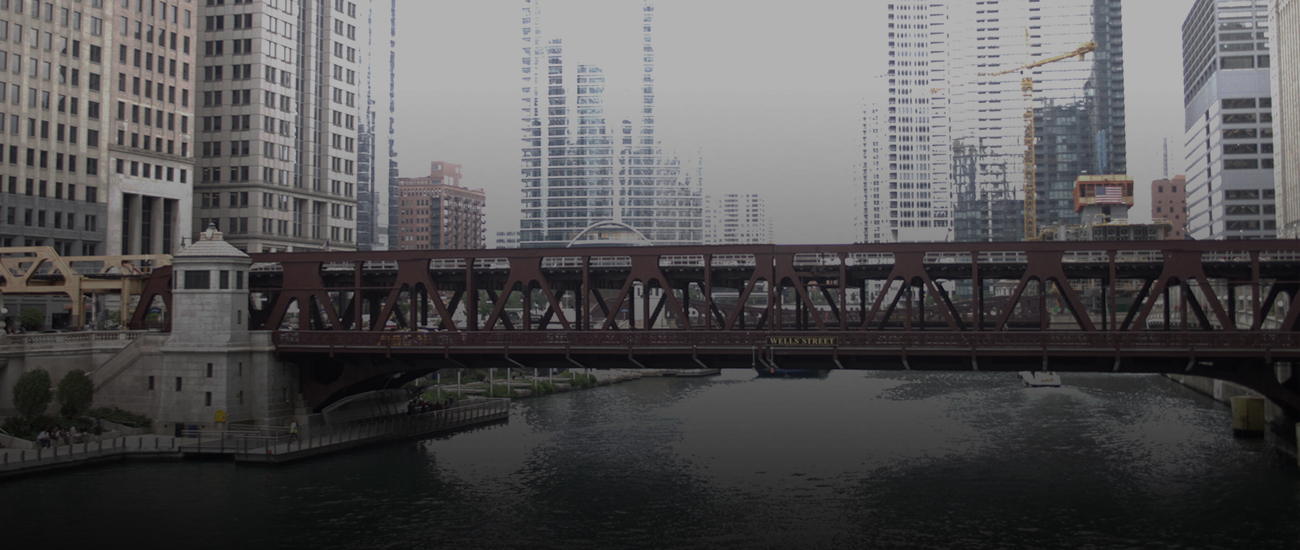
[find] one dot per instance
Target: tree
(76, 392)
(31, 318)
(32, 393)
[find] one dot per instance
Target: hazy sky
(771, 92)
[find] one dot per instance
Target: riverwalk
(255, 445)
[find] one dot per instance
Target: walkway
(252, 446)
(24, 461)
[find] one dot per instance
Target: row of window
(58, 220)
(158, 10)
(217, 48)
(44, 70)
(152, 171)
(1248, 164)
(41, 159)
(36, 12)
(62, 248)
(45, 101)
(150, 86)
(49, 41)
(42, 129)
(150, 143)
(41, 188)
(159, 64)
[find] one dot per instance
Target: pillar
(1247, 416)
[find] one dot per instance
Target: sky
(770, 96)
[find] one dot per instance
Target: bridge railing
(659, 342)
(255, 441)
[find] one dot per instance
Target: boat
(773, 372)
(1040, 379)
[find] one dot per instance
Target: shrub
(114, 414)
(32, 393)
(31, 318)
(76, 392)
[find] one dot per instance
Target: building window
(198, 280)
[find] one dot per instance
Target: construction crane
(1030, 163)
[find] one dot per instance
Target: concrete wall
(1223, 392)
(248, 383)
(58, 354)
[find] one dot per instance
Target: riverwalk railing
(276, 444)
(14, 460)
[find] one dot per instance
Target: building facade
(1228, 138)
(915, 127)
(1169, 203)
(737, 219)
(1078, 108)
(1284, 76)
(436, 213)
(576, 172)
(97, 125)
(376, 147)
(278, 122)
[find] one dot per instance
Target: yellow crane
(1027, 88)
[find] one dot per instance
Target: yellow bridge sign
(804, 341)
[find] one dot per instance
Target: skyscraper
(1229, 121)
(737, 219)
(95, 100)
(875, 215)
(278, 122)
(584, 175)
(916, 125)
(376, 148)
(1284, 72)
(1078, 109)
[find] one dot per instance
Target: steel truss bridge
(358, 320)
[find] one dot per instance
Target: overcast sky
(771, 92)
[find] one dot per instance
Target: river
(852, 460)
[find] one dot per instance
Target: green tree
(31, 318)
(32, 393)
(76, 392)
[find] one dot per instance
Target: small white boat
(1040, 379)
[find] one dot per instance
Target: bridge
(356, 321)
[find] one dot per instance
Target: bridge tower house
(215, 370)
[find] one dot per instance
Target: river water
(853, 460)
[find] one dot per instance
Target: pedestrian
(293, 430)
(43, 439)
(99, 429)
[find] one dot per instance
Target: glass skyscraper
(576, 172)
(955, 136)
(1078, 109)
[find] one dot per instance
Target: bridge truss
(1225, 309)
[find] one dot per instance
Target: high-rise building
(507, 239)
(278, 121)
(1169, 203)
(584, 175)
(1078, 108)
(1284, 74)
(436, 213)
(916, 125)
(376, 147)
(875, 215)
(96, 102)
(737, 219)
(1228, 137)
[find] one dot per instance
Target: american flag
(1110, 195)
